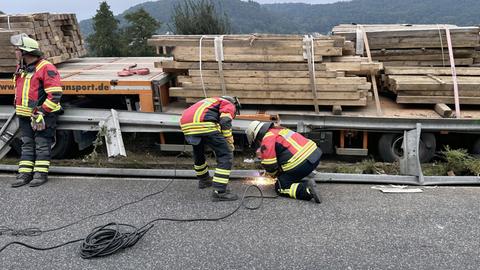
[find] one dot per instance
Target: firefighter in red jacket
(37, 103)
(287, 156)
(209, 122)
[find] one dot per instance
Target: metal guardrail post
(410, 162)
(7, 133)
(113, 135)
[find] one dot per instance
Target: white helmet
(254, 129)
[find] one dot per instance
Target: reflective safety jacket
(208, 116)
(284, 149)
(37, 87)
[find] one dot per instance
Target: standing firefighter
(37, 102)
(288, 156)
(209, 122)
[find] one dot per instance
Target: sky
(85, 9)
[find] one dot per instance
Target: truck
(94, 82)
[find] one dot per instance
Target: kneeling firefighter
(287, 156)
(209, 122)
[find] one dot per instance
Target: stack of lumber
(433, 85)
(476, 57)
(58, 35)
(416, 45)
(267, 69)
(7, 52)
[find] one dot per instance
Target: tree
(105, 40)
(141, 27)
(198, 17)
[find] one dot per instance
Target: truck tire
(476, 148)
(63, 145)
(389, 147)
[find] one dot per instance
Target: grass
(460, 162)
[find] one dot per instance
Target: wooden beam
(443, 110)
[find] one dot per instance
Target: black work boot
(22, 179)
(204, 182)
(311, 189)
(218, 196)
(39, 178)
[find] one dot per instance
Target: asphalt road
(356, 227)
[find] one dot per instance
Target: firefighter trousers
(36, 145)
(224, 157)
(290, 184)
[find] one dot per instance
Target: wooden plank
(443, 110)
(246, 58)
(282, 87)
(438, 71)
(469, 52)
(372, 76)
(319, 81)
(458, 61)
(337, 110)
(181, 92)
(263, 74)
(435, 100)
(243, 41)
(210, 51)
(239, 66)
(360, 102)
(463, 93)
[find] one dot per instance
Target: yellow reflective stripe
(296, 163)
(26, 162)
(300, 156)
(268, 134)
(227, 132)
(53, 89)
(283, 132)
(42, 162)
(287, 135)
(41, 65)
(226, 115)
(220, 180)
(269, 161)
(57, 108)
(199, 128)
(23, 111)
(204, 171)
(294, 144)
(50, 104)
(25, 170)
(197, 132)
(293, 190)
(222, 171)
(40, 169)
(26, 89)
(206, 124)
(198, 113)
(199, 167)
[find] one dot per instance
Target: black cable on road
(112, 237)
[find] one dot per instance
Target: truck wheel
(63, 144)
(61, 148)
(390, 147)
(476, 148)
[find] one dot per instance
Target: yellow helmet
(24, 43)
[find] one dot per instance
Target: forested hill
(251, 17)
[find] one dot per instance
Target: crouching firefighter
(209, 122)
(37, 103)
(287, 156)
